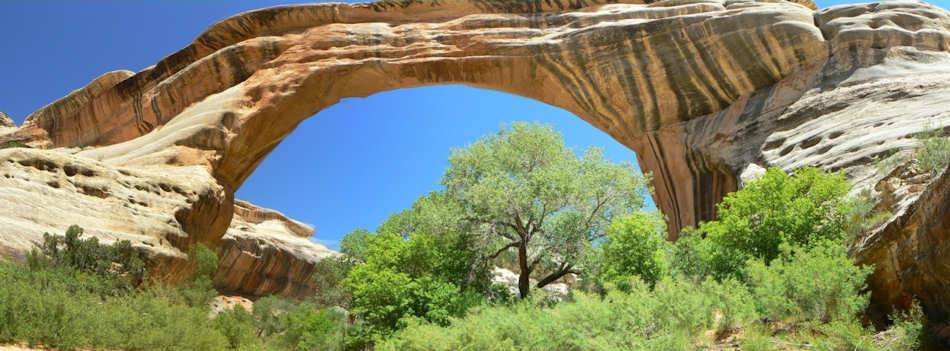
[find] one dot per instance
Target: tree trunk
(524, 282)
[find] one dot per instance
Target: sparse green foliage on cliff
(116, 263)
(12, 144)
(933, 153)
(863, 216)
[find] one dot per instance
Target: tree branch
(503, 249)
(564, 270)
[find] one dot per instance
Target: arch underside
(706, 93)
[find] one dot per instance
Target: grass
(933, 153)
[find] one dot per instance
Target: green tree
(404, 279)
(634, 245)
(437, 219)
(328, 275)
(354, 244)
(310, 328)
(803, 208)
(523, 190)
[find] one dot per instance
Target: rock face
(266, 253)
(708, 93)
(6, 121)
(155, 209)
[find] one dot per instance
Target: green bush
(671, 317)
(12, 144)
(60, 307)
(310, 328)
(403, 279)
(267, 313)
(635, 245)
(803, 208)
(198, 288)
(202, 261)
(933, 153)
(237, 326)
(756, 338)
(117, 264)
(821, 284)
(908, 329)
(691, 256)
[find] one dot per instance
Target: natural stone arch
(630, 70)
(706, 92)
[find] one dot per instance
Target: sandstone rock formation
(48, 190)
(6, 121)
(266, 253)
(704, 91)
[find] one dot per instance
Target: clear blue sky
(350, 166)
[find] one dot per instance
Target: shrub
(403, 279)
(116, 263)
(59, 307)
(691, 256)
(803, 208)
(12, 144)
(202, 261)
(756, 338)
(862, 216)
(932, 154)
(908, 329)
(635, 246)
(237, 326)
(821, 283)
(670, 317)
(309, 328)
(267, 313)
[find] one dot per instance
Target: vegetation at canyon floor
(771, 273)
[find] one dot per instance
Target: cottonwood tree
(526, 192)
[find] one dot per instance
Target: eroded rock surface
(266, 253)
(48, 190)
(6, 121)
(706, 93)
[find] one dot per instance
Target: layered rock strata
(708, 93)
(155, 209)
(266, 253)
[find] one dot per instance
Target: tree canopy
(523, 190)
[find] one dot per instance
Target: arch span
(631, 70)
(707, 92)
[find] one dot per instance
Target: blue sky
(348, 167)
